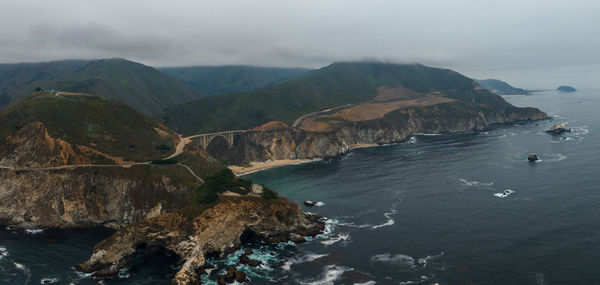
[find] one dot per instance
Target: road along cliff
(337, 136)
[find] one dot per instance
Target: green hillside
(142, 87)
(334, 85)
(500, 87)
(18, 80)
(216, 80)
(108, 126)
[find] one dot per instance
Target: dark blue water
(430, 210)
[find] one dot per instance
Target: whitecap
(330, 274)
(287, 265)
(366, 283)
(505, 193)
(33, 231)
(339, 237)
(475, 183)
(412, 140)
(49, 281)
(319, 204)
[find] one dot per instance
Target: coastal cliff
(217, 231)
(293, 143)
(83, 197)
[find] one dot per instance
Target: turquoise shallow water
(432, 209)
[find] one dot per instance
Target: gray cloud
(530, 43)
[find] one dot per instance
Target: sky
(530, 44)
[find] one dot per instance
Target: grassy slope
(334, 85)
(216, 80)
(113, 127)
(18, 80)
(142, 87)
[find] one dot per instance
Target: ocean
(447, 209)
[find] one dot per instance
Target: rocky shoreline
(217, 231)
(293, 144)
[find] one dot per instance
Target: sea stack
(558, 129)
(532, 157)
(310, 203)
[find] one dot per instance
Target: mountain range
(217, 80)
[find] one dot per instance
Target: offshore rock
(244, 259)
(217, 231)
(232, 275)
(532, 157)
(558, 129)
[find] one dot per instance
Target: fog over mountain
(532, 44)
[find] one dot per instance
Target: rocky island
(565, 89)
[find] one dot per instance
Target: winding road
(178, 150)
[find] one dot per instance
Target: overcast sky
(532, 44)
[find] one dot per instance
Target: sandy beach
(258, 166)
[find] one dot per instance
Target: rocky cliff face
(218, 230)
(83, 197)
(396, 126)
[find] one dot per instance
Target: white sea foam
(505, 193)
(389, 221)
(400, 259)
(583, 130)
(49, 281)
(33, 231)
(287, 265)
(405, 260)
(335, 239)
(20, 266)
(475, 183)
(330, 274)
(123, 273)
(412, 140)
(366, 283)
(423, 261)
(540, 279)
(3, 252)
(330, 225)
(423, 279)
(320, 204)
